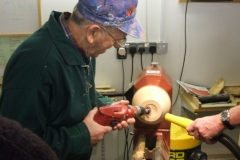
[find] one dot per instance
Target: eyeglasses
(120, 42)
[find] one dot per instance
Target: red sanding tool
(114, 114)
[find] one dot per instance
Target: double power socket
(140, 48)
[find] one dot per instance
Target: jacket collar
(68, 50)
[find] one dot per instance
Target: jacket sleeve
(29, 107)
(101, 100)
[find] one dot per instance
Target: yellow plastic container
(181, 144)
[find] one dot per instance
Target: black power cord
(131, 133)
(185, 52)
(132, 51)
(126, 131)
(141, 50)
(123, 52)
(152, 50)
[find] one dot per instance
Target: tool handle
(180, 121)
(114, 114)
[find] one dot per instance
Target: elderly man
(48, 84)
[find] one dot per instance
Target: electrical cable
(126, 141)
(185, 52)
(126, 145)
(132, 69)
(152, 50)
(141, 50)
(131, 133)
(126, 130)
(132, 51)
(123, 80)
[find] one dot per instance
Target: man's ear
(92, 32)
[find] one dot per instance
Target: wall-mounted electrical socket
(121, 53)
(162, 47)
(141, 48)
(147, 47)
(132, 48)
(152, 47)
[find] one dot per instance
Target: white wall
(213, 37)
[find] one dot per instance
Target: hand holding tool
(114, 114)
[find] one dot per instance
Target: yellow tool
(180, 121)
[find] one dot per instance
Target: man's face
(105, 39)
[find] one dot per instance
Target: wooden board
(196, 107)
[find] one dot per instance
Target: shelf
(195, 106)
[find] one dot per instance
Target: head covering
(114, 13)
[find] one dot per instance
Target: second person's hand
(123, 124)
(206, 128)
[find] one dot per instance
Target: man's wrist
(219, 123)
(225, 119)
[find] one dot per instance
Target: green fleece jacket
(49, 89)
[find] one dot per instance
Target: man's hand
(96, 131)
(206, 128)
(123, 124)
